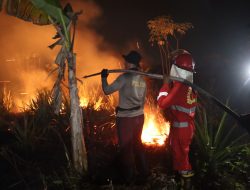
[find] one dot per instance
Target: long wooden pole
(238, 117)
(156, 76)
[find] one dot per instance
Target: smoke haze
(26, 60)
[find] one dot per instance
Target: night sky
(219, 41)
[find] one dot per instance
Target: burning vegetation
(36, 151)
(155, 129)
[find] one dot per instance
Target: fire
(98, 103)
(26, 62)
(84, 102)
(94, 97)
(155, 129)
(12, 103)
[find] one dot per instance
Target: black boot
(186, 181)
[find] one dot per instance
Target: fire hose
(243, 119)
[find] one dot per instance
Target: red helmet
(183, 59)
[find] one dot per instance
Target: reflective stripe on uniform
(185, 110)
(162, 94)
(180, 124)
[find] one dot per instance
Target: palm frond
(227, 137)
(52, 8)
(25, 10)
(225, 147)
(36, 11)
(202, 128)
(228, 153)
(219, 131)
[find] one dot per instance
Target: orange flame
(84, 102)
(155, 129)
(95, 98)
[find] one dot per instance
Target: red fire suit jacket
(179, 102)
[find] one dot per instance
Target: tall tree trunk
(78, 143)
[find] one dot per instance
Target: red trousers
(180, 140)
(131, 149)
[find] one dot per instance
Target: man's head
(133, 57)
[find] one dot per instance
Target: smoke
(93, 53)
(24, 57)
(26, 60)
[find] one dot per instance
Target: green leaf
(26, 11)
(219, 131)
(36, 11)
(51, 8)
(55, 3)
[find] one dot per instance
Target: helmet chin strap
(181, 73)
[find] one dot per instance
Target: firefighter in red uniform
(179, 101)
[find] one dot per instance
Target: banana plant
(64, 20)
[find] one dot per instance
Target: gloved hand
(166, 79)
(104, 73)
